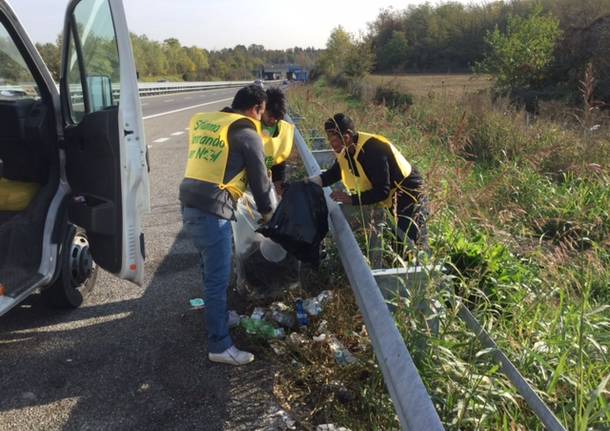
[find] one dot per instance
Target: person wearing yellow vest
(225, 155)
(375, 172)
(278, 137)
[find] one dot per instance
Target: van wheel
(78, 273)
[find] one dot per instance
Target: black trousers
(412, 212)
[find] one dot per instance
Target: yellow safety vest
(360, 184)
(208, 151)
(277, 149)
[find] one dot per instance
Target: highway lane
(135, 357)
(154, 105)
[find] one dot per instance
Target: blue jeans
(213, 239)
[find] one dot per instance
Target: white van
(73, 161)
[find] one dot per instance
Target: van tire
(78, 273)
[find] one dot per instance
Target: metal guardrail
(399, 282)
(411, 400)
(161, 88)
(153, 88)
(150, 89)
(540, 409)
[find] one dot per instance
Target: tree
(51, 55)
(177, 58)
(337, 49)
(199, 58)
(518, 59)
(345, 56)
(394, 53)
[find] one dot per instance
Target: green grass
(521, 215)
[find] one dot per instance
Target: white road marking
(169, 100)
(158, 141)
(177, 133)
(144, 104)
(193, 93)
(187, 108)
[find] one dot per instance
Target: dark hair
(340, 124)
(276, 103)
(248, 97)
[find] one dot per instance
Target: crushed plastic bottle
(197, 303)
(262, 328)
(284, 319)
(279, 306)
(324, 296)
(315, 305)
(322, 330)
(302, 318)
(312, 307)
(258, 314)
(322, 326)
(297, 339)
(342, 355)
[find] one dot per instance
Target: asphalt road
(134, 358)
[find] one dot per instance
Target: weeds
(521, 216)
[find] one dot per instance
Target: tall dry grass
(520, 212)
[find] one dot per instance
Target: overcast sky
(215, 24)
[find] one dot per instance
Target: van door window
(93, 60)
(16, 80)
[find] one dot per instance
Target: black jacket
(382, 170)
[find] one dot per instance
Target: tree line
(539, 46)
(173, 61)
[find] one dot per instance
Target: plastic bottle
(324, 296)
(262, 328)
(258, 313)
(312, 306)
(283, 319)
(342, 355)
(302, 317)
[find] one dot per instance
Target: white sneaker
(232, 356)
(233, 318)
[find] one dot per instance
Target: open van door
(106, 164)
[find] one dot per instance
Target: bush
(393, 98)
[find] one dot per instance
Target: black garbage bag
(300, 222)
(265, 279)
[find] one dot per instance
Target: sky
(217, 24)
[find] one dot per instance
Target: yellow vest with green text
(208, 151)
(277, 149)
(360, 184)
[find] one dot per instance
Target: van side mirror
(100, 92)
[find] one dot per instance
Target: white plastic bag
(247, 241)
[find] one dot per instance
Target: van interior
(29, 176)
